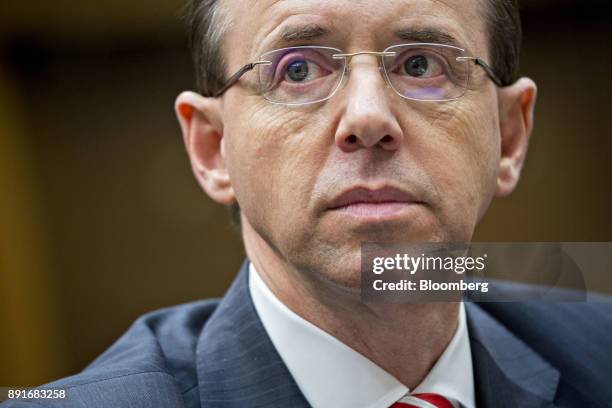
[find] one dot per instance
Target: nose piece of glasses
(380, 54)
(381, 70)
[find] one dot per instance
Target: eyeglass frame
(232, 80)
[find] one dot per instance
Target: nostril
(386, 139)
(351, 139)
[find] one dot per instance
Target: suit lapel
(507, 372)
(237, 363)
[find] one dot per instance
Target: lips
(366, 197)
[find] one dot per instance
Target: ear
(202, 127)
(516, 106)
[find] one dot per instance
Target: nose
(367, 117)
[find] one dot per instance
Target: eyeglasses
(309, 74)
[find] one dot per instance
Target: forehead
(261, 25)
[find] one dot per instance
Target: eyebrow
(427, 35)
(312, 31)
(292, 34)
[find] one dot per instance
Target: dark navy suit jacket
(217, 354)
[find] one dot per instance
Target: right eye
(300, 68)
(297, 71)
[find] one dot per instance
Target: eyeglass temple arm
(236, 77)
(489, 71)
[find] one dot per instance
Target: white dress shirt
(331, 374)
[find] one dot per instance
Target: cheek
(273, 163)
(475, 146)
(462, 158)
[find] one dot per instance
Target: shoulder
(576, 325)
(151, 365)
(552, 316)
(574, 336)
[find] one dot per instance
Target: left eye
(421, 66)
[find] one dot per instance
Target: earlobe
(516, 116)
(202, 128)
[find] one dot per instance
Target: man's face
(413, 171)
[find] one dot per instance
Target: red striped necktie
(424, 401)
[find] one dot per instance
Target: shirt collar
(329, 373)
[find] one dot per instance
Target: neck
(404, 339)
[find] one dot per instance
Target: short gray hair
(208, 24)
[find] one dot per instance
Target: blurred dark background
(101, 219)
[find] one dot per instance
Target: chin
(336, 258)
